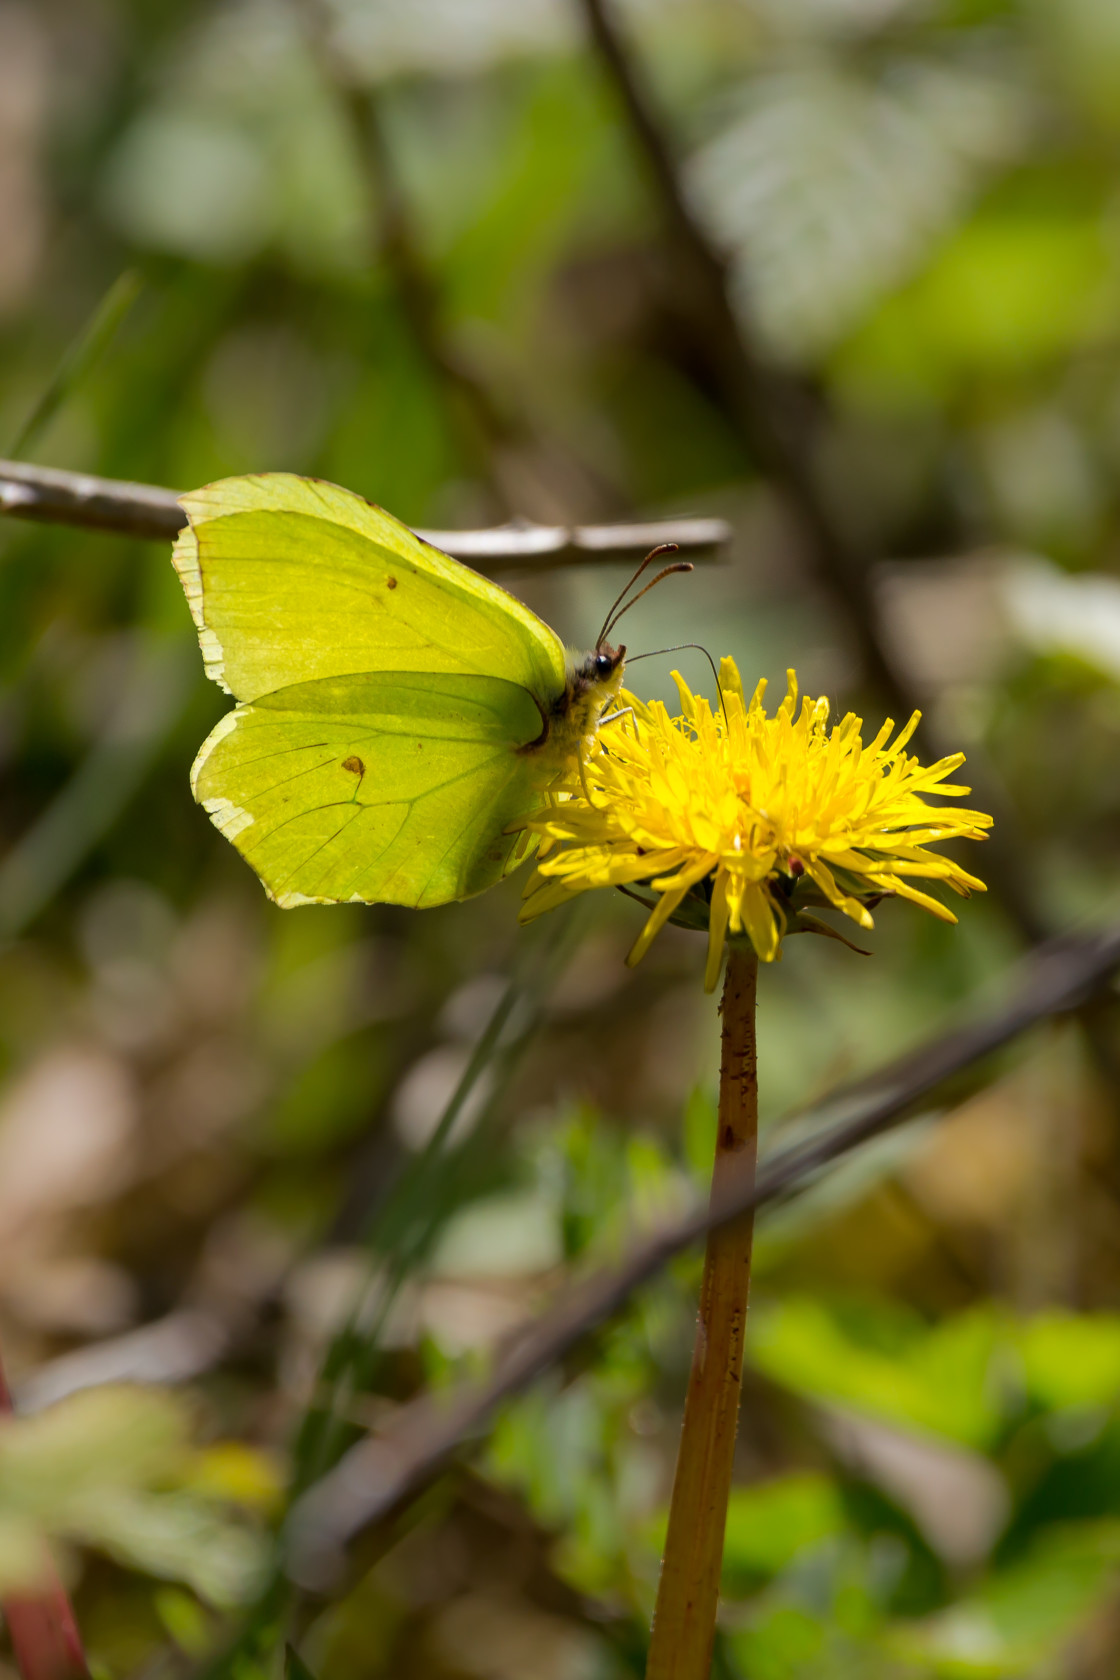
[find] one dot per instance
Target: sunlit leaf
(99, 1469)
(97, 1439)
(1021, 1616)
(942, 1380)
(176, 1536)
(769, 1523)
(831, 188)
(1009, 292)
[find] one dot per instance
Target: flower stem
(41, 1625)
(684, 1620)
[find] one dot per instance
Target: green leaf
(1022, 1615)
(700, 1120)
(54, 1462)
(99, 1469)
(1012, 290)
(887, 1365)
(834, 186)
(770, 1523)
(1070, 1360)
(178, 1537)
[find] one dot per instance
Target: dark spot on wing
(354, 765)
(390, 583)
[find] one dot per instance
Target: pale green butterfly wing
(392, 696)
(384, 787)
(290, 579)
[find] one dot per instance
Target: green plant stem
(84, 352)
(684, 1620)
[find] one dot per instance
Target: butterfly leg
(581, 760)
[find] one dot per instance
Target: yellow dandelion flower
(738, 821)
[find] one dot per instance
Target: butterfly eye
(604, 665)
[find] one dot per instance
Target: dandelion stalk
(742, 825)
(684, 1620)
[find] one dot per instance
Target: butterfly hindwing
(379, 787)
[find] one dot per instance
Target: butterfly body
(592, 681)
(399, 715)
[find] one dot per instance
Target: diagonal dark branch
(482, 425)
(771, 417)
(381, 1473)
(525, 468)
(52, 497)
(763, 404)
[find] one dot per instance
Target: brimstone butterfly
(397, 714)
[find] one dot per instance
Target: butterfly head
(593, 680)
(602, 665)
(607, 662)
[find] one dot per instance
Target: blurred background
(426, 248)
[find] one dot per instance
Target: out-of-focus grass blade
(93, 340)
(294, 1666)
(430, 1189)
(152, 697)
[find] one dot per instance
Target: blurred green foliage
(409, 245)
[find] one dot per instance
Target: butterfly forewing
(291, 579)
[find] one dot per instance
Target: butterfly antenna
(679, 648)
(654, 554)
(666, 571)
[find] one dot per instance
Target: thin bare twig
(765, 407)
(380, 1474)
(483, 427)
(53, 497)
(525, 468)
